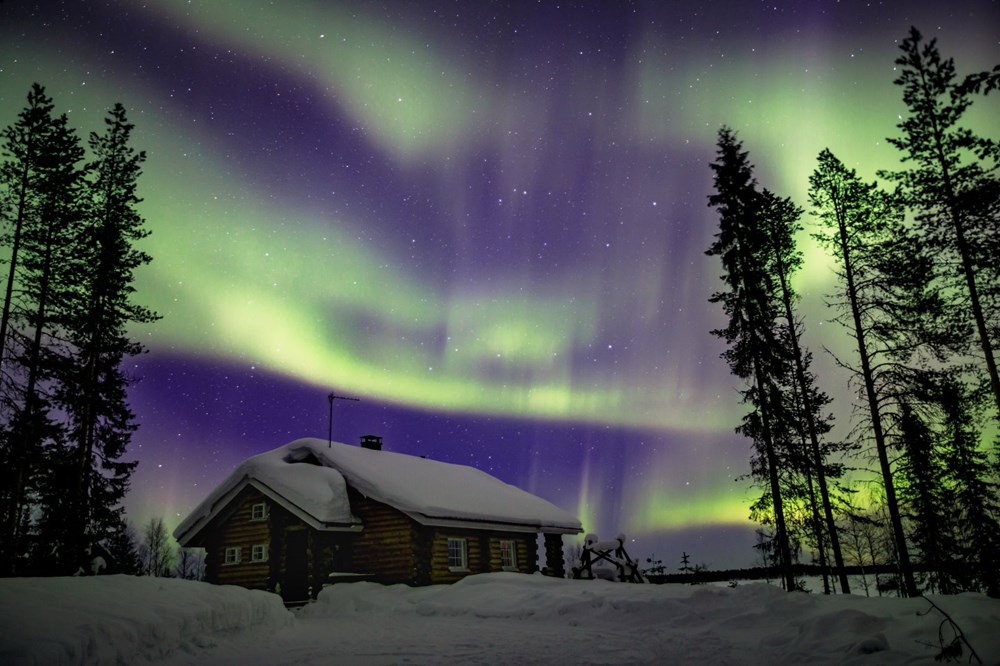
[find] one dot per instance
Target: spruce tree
(951, 184)
(924, 500)
(66, 422)
(975, 500)
(780, 217)
(123, 547)
(19, 173)
(20, 177)
(95, 393)
(755, 352)
(36, 344)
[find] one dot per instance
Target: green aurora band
(311, 295)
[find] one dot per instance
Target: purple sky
(485, 220)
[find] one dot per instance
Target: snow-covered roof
(430, 491)
(316, 494)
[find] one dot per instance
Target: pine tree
(755, 350)
(952, 185)
(860, 225)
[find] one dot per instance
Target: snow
(434, 489)
(125, 619)
(317, 494)
(487, 618)
(428, 490)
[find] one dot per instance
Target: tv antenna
(331, 398)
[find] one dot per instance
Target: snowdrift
(483, 619)
(545, 620)
(124, 619)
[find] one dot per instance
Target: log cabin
(313, 513)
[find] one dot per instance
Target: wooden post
(554, 555)
(276, 550)
(531, 563)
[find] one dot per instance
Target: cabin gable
(230, 540)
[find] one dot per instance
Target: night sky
(485, 220)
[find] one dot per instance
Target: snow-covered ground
(485, 619)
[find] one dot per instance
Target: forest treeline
(69, 233)
(918, 293)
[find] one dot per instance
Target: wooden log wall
(482, 552)
(440, 572)
(392, 547)
(238, 529)
(330, 552)
(278, 521)
(526, 550)
(385, 547)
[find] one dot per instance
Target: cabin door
(296, 585)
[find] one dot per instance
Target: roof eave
(191, 534)
(434, 521)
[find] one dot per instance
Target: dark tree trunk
(808, 410)
(892, 504)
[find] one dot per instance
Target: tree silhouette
(951, 183)
(50, 224)
(94, 396)
(973, 500)
(780, 218)
(861, 226)
(755, 349)
(923, 499)
(68, 304)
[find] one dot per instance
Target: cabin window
(458, 555)
(232, 555)
(258, 553)
(508, 554)
(258, 511)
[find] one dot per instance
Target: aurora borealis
(486, 220)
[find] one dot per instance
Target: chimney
(373, 442)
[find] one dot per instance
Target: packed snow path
(485, 619)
